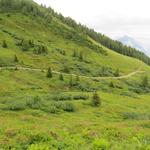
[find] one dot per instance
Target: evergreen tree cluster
(80, 55)
(29, 44)
(27, 7)
(41, 49)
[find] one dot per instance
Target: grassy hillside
(17, 27)
(40, 113)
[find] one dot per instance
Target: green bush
(129, 94)
(39, 138)
(66, 106)
(34, 103)
(25, 45)
(130, 115)
(16, 106)
(69, 107)
(101, 144)
(62, 97)
(39, 147)
(50, 109)
(80, 97)
(65, 97)
(66, 69)
(135, 116)
(40, 49)
(61, 51)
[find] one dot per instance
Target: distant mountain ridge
(129, 41)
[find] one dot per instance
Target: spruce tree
(96, 101)
(111, 84)
(16, 59)
(81, 56)
(71, 81)
(61, 77)
(116, 74)
(49, 73)
(74, 54)
(145, 82)
(4, 44)
(66, 69)
(25, 45)
(77, 78)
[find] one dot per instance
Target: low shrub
(16, 106)
(135, 116)
(34, 103)
(66, 106)
(38, 147)
(130, 115)
(69, 107)
(101, 144)
(65, 97)
(129, 94)
(62, 97)
(39, 137)
(80, 97)
(50, 109)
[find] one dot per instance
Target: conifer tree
(4, 44)
(71, 81)
(66, 69)
(77, 78)
(74, 54)
(16, 59)
(49, 73)
(116, 74)
(96, 101)
(81, 56)
(145, 82)
(25, 45)
(61, 77)
(111, 84)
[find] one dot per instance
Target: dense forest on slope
(28, 7)
(104, 40)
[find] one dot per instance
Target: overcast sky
(114, 18)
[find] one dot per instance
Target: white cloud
(112, 17)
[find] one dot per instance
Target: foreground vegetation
(120, 123)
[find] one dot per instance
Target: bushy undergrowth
(58, 103)
(68, 141)
(136, 116)
(65, 97)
